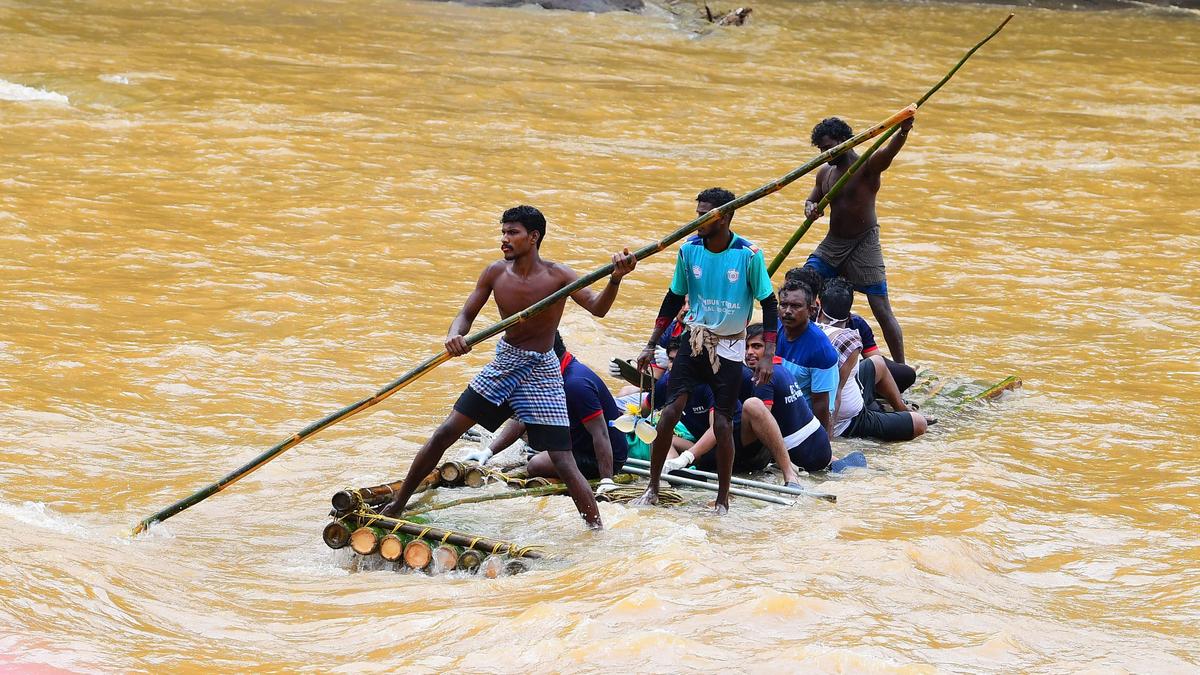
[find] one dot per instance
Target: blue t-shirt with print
(721, 287)
(815, 358)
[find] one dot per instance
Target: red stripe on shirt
(592, 416)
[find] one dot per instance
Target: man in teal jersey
(720, 275)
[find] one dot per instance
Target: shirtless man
(851, 248)
(524, 380)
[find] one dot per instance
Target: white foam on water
(11, 91)
(114, 79)
(36, 514)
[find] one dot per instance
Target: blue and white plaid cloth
(530, 382)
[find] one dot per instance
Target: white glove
(660, 357)
(614, 369)
(681, 462)
(606, 485)
(481, 455)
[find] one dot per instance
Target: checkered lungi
(529, 382)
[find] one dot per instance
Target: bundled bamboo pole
(746, 482)
(678, 480)
(445, 558)
(348, 500)
(540, 491)
(426, 532)
(469, 560)
(336, 534)
(837, 187)
(452, 473)
(391, 547)
(418, 553)
(538, 307)
(365, 540)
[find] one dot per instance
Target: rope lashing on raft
(492, 546)
(626, 493)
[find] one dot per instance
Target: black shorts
(872, 422)
(813, 453)
(690, 370)
(746, 458)
(590, 468)
(490, 416)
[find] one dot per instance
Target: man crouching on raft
(721, 275)
(524, 380)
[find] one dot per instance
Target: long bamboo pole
(678, 480)
(746, 482)
(837, 187)
(477, 337)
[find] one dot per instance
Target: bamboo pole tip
(336, 534)
(391, 548)
(417, 554)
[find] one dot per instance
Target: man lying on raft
(598, 447)
(524, 379)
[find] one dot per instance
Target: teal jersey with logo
(720, 287)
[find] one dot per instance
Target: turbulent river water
(220, 221)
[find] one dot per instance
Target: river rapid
(220, 221)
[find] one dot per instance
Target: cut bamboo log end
(515, 566)
(391, 547)
(492, 566)
(336, 534)
(445, 558)
(345, 501)
(365, 540)
(469, 560)
(474, 477)
(418, 554)
(452, 473)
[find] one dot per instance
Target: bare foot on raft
(648, 498)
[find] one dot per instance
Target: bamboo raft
(416, 546)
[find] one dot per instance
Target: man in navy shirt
(597, 446)
(776, 424)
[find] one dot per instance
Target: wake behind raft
(412, 544)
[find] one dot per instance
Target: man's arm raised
(599, 303)
(882, 159)
(456, 342)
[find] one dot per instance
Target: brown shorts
(859, 260)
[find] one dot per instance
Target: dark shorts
(859, 260)
(746, 458)
(872, 422)
(490, 416)
(813, 453)
(590, 468)
(690, 370)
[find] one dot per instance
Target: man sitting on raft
(524, 379)
(598, 447)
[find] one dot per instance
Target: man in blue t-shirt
(805, 345)
(721, 275)
(598, 447)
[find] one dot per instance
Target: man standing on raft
(851, 248)
(524, 380)
(721, 275)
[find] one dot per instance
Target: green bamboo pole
(538, 307)
(540, 491)
(837, 187)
